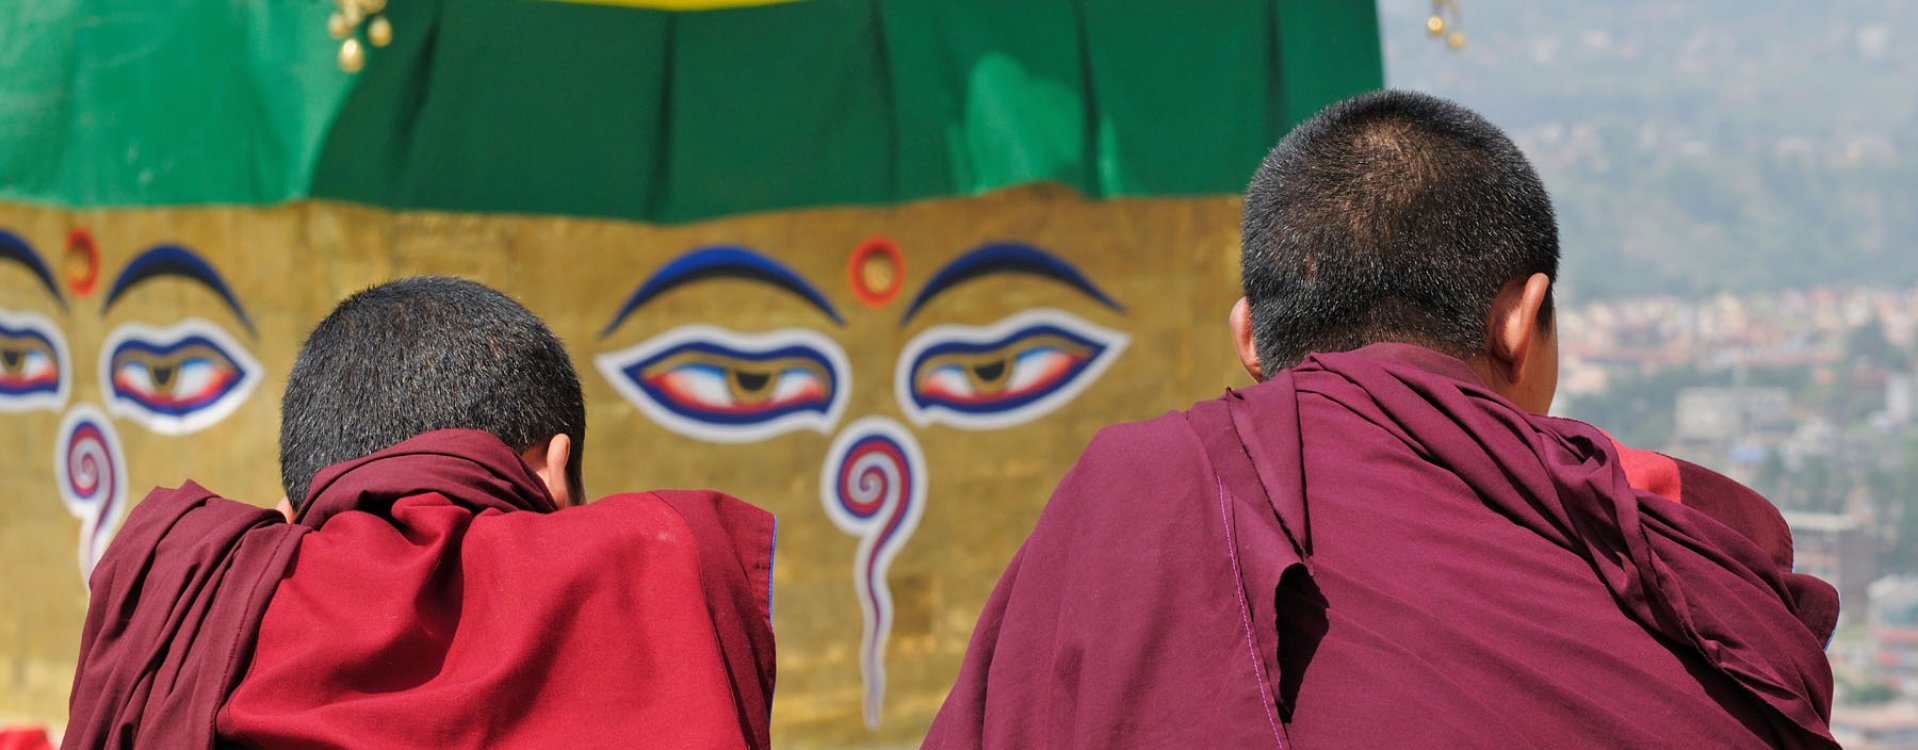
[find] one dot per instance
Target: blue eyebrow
(174, 260)
(721, 261)
(14, 249)
(1006, 257)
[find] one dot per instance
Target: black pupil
(751, 381)
(162, 374)
(11, 357)
(990, 370)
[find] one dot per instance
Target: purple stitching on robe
(1245, 617)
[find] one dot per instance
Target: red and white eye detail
(1008, 373)
(1004, 375)
(175, 380)
(738, 389)
(728, 387)
(34, 370)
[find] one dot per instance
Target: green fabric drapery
(525, 106)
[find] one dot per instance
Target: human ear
(548, 460)
(285, 508)
(1517, 332)
(1244, 341)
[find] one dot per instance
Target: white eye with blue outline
(729, 387)
(34, 370)
(1008, 373)
(175, 380)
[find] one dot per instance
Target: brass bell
(379, 32)
(352, 56)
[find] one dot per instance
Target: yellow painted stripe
(681, 5)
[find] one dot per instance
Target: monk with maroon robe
(435, 585)
(1385, 543)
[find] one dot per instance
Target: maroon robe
(414, 603)
(1374, 550)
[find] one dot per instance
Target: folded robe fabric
(1373, 550)
(412, 603)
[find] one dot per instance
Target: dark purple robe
(1374, 550)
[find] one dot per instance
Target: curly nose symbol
(92, 475)
(874, 487)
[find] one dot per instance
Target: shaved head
(1393, 216)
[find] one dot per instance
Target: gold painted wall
(1016, 367)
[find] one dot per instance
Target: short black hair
(1391, 216)
(421, 354)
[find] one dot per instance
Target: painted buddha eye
(1003, 374)
(34, 370)
(728, 387)
(175, 380)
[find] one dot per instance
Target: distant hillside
(1694, 147)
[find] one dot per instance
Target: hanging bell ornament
(379, 32)
(373, 6)
(1456, 41)
(337, 26)
(1435, 25)
(352, 56)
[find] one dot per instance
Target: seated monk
(437, 584)
(1386, 543)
